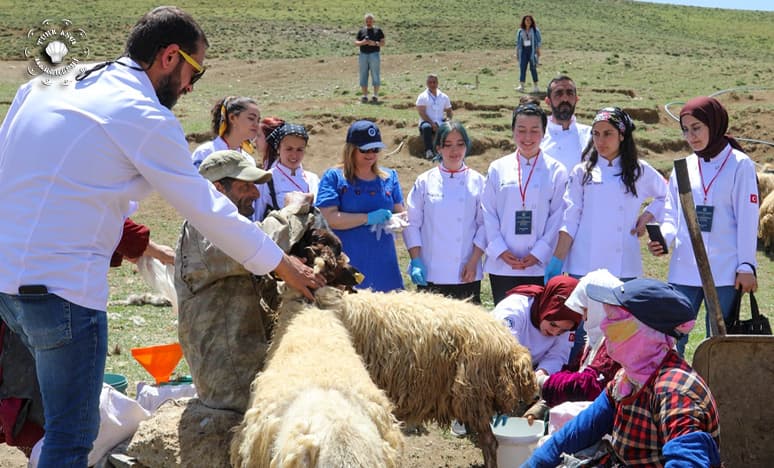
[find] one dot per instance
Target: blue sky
(766, 5)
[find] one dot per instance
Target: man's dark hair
(555, 80)
(529, 109)
(159, 28)
(226, 182)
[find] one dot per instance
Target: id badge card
(523, 222)
(705, 213)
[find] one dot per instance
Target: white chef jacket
(549, 353)
(284, 182)
(209, 147)
(501, 200)
(733, 238)
(600, 215)
(72, 158)
(446, 221)
(566, 146)
(435, 105)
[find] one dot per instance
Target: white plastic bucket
(516, 440)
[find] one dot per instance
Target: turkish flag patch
(571, 338)
(753, 198)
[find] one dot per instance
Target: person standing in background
(565, 138)
(370, 39)
(528, 42)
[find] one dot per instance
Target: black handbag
(757, 325)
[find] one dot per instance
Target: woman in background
(235, 124)
(528, 42)
(445, 236)
(359, 195)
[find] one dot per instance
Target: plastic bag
(159, 277)
(396, 224)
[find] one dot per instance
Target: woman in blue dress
(357, 198)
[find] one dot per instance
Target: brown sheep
(314, 404)
(437, 358)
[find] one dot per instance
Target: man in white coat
(565, 138)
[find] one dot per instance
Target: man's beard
(563, 111)
(168, 90)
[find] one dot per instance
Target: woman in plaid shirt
(657, 409)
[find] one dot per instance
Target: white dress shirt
(71, 161)
(501, 200)
(285, 181)
(599, 216)
(446, 221)
(566, 146)
(733, 238)
(435, 105)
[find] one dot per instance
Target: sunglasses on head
(196, 66)
(372, 150)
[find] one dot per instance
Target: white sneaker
(535, 89)
(520, 87)
(458, 428)
(429, 155)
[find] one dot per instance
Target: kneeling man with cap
(657, 409)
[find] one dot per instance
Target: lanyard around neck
(287, 176)
(706, 188)
(523, 187)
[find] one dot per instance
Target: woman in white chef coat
(235, 124)
(445, 237)
(288, 142)
(603, 218)
(725, 192)
(523, 206)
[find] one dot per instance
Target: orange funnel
(159, 360)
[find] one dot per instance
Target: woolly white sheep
(437, 358)
(314, 404)
(766, 222)
(765, 183)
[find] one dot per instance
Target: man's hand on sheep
(298, 276)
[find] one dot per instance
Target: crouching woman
(658, 409)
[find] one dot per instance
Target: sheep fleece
(437, 358)
(314, 405)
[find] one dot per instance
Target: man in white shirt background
(565, 138)
(72, 161)
(432, 104)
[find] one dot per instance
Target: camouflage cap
(233, 164)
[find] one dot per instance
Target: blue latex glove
(378, 216)
(417, 272)
(498, 419)
(554, 268)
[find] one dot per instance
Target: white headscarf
(578, 301)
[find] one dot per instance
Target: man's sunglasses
(199, 69)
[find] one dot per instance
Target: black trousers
(502, 284)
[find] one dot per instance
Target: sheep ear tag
(159, 360)
(359, 277)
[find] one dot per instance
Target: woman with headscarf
(725, 191)
(539, 320)
(658, 410)
(235, 125)
(288, 142)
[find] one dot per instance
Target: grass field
(297, 59)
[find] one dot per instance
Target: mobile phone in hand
(654, 232)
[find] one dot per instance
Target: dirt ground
(436, 448)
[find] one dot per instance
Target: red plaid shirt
(675, 401)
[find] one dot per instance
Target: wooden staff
(711, 302)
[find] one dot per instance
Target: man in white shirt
(565, 139)
(431, 104)
(72, 160)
